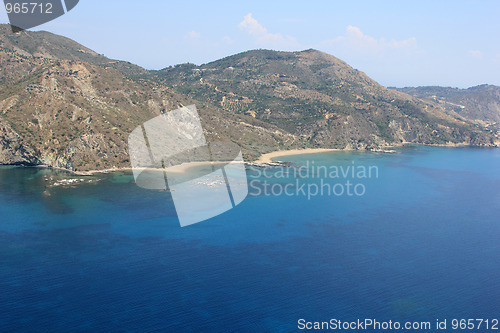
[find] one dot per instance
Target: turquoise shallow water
(420, 244)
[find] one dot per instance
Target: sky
(397, 43)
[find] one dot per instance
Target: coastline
(179, 168)
(263, 159)
(268, 157)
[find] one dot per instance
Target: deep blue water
(422, 243)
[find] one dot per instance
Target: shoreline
(179, 168)
(267, 158)
(263, 158)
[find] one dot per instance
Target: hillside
(64, 105)
(319, 99)
(479, 104)
(74, 114)
(40, 45)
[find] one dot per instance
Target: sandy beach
(179, 168)
(182, 168)
(267, 158)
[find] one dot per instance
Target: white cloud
(252, 26)
(263, 37)
(476, 54)
(228, 40)
(194, 34)
(355, 40)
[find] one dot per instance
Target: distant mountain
(64, 105)
(478, 104)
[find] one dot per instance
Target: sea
(406, 236)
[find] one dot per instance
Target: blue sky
(398, 43)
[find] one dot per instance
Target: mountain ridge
(479, 104)
(325, 85)
(63, 105)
